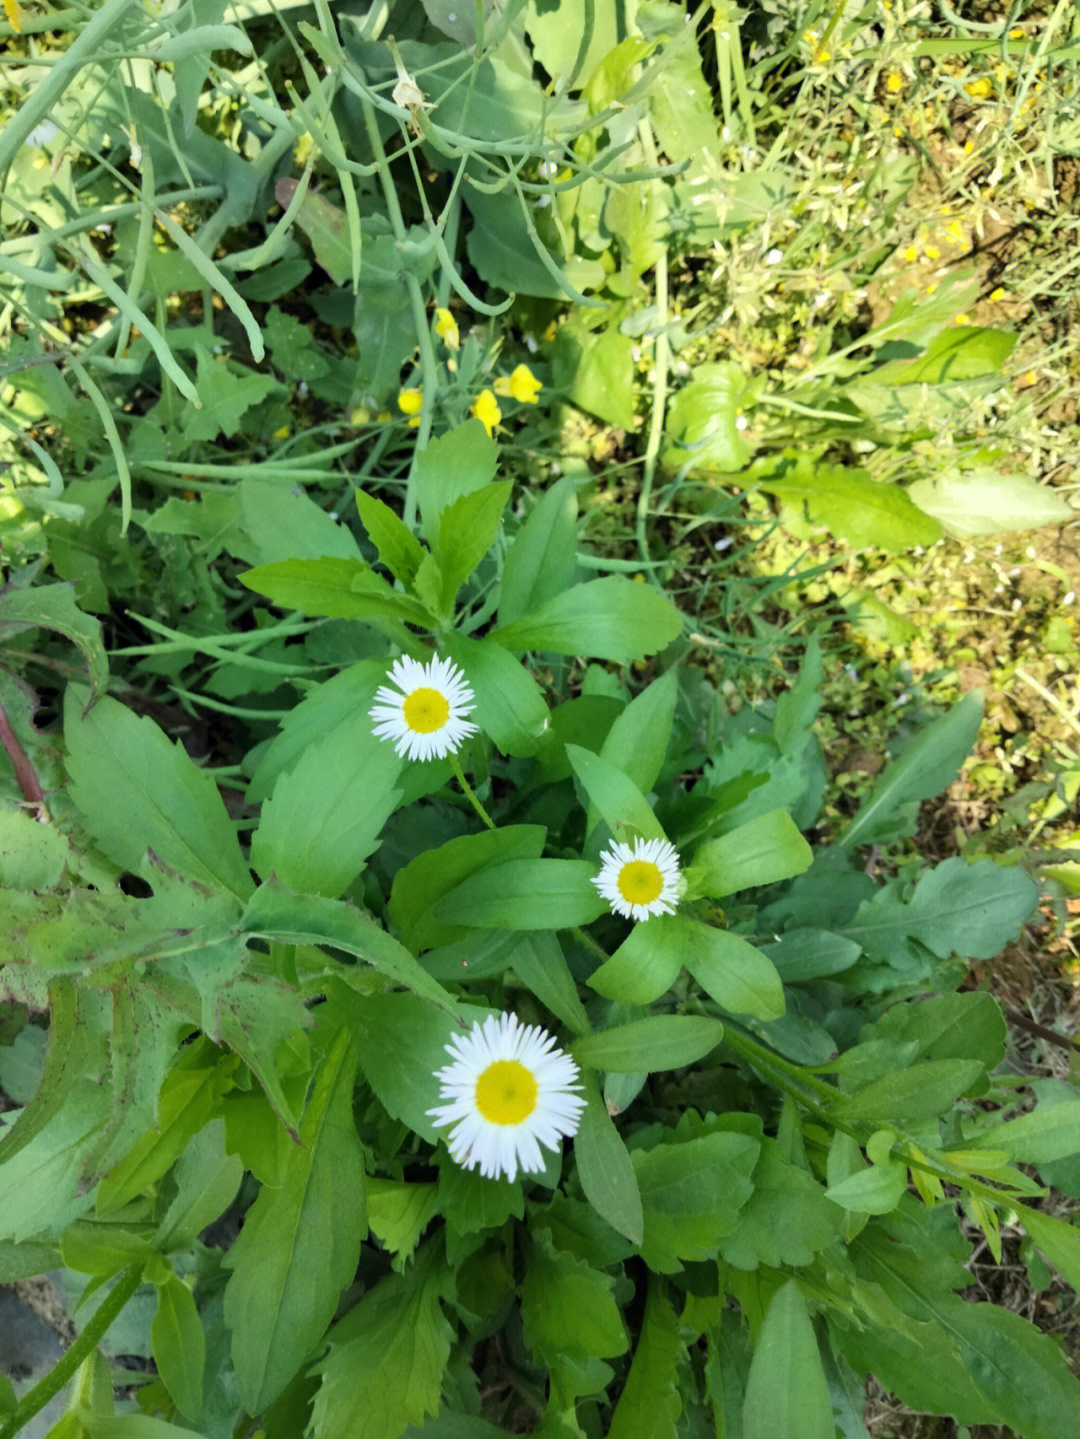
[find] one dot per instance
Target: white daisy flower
(641, 881)
(510, 1090)
(425, 715)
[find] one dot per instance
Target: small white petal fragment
(425, 716)
(510, 1090)
(641, 880)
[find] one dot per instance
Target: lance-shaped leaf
(340, 589)
(786, 1392)
(614, 795)
(510, 705)
(300, 1242)
(662, 1041)
(760, 852)
(524, 894)
(604, 1167)
(609, 619)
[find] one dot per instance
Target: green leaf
(337, 588)
(912, 1096)
(787, 1219)
(595, 368)
(608, 619)
(961, 352)
(541, 558)
(510, 705)
(227, 391)
(32, 855)
(639, 736)
(40, 1193)
(423, 881)
(928, 765)
(274, 913)
(650, 1403)
(74, 1051)
(802, 954)
(875, 1189)
(760, 852)
(538, 961)
(53, 607)
(969, 1025)
(662, 1041)
(178, 1345)
(605, 1169)
(567, 1306)
(524, 894)
(287, 525)
(137, 791)
(398, 1214)
(786, 1392)
(326, 226)
(467, 528)
(455, 464)
(207, 1181)
(404, 1042)
(300, 1243)
(1048, 1132)
(399, 549)
(983, 501)
(326, 815)
(730, 970)
(1059, 1241)
(855, 508)
(701, 424)
(691, 1194)
(23, 1261)
(646, 964)
(614, 795)
(387, 1356)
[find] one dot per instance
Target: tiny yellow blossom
(303, 149)
(998, 294)
(932, 252)
(282, 432)
(955, 231)
(486, 409)
(961, 319)
(969, 145)
(980, 89)
(522, 385)
(894, 82)
(411, 402)
(446, 329)
(360, 416)
(911, 254)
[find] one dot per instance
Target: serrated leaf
(691, 1193)
(53, 607)
(137, 791)
(467, 528)
(287, 525)
(399, 549)
(854, 507)
(567, 1306)
(650, 1403)
(787, 1219)
(300, 1243)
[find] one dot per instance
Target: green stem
(34, 1401)
(793, 1079)
(661, 362)
(587, 942)
(469, 792)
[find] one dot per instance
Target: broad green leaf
(691, 1193)
(969, 1025)
(787, 1219)
(318, 846)
(1059, 1241)
(287, 525)
(226, 391)
(342, 589)
(541, 558)
(1048, 1132)
(855, 508)
(436, 872)
(455, 464)
(300, 1243)
(23, 1261)
(786, 1392)
(502, 246)
(803, 954)
(274, 913)
(399, 549)
(540, 964)
(570, 44)
(402, 1041)
(984, 501)
(567, 1306)
(912, 1096)
(595, 369)
(471, 1203)
(650, 1403)
(53, 607)
(510, 706)
(928, 765)
(614, 795)
(40, 1193)
(875, 1189)
(730, 970)
(32, 855)
(760, 852)
(662, 1041)
(467, 528)
(137, 791)
(680, 98)
(608, 619)
(604, 1167)
(646, 964)
(178, 1345)
(207, 1181)
(701, 424)
(524, 894)
(961, 352)
(639, 737)
(325, 225)
(398, 1214)
(387, 1356)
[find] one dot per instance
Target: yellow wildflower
(980, 89)
(894, 82)
(932, 252)
(911, 254)
(522, 385)
(304, 149)
(282, 432)
(961, 319)
(955, 231)
(486, 409)
(446, 329)
(411, 402)
(998, 294)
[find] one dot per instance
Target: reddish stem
(24, 770)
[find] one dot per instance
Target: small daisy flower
(641, 881)
(425, 715)
(510, 1089)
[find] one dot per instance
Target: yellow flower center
(506, 1092)
(640, 882)
(425, 710)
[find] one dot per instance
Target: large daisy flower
(641, 881)
(510, 1090)
(425, 715)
